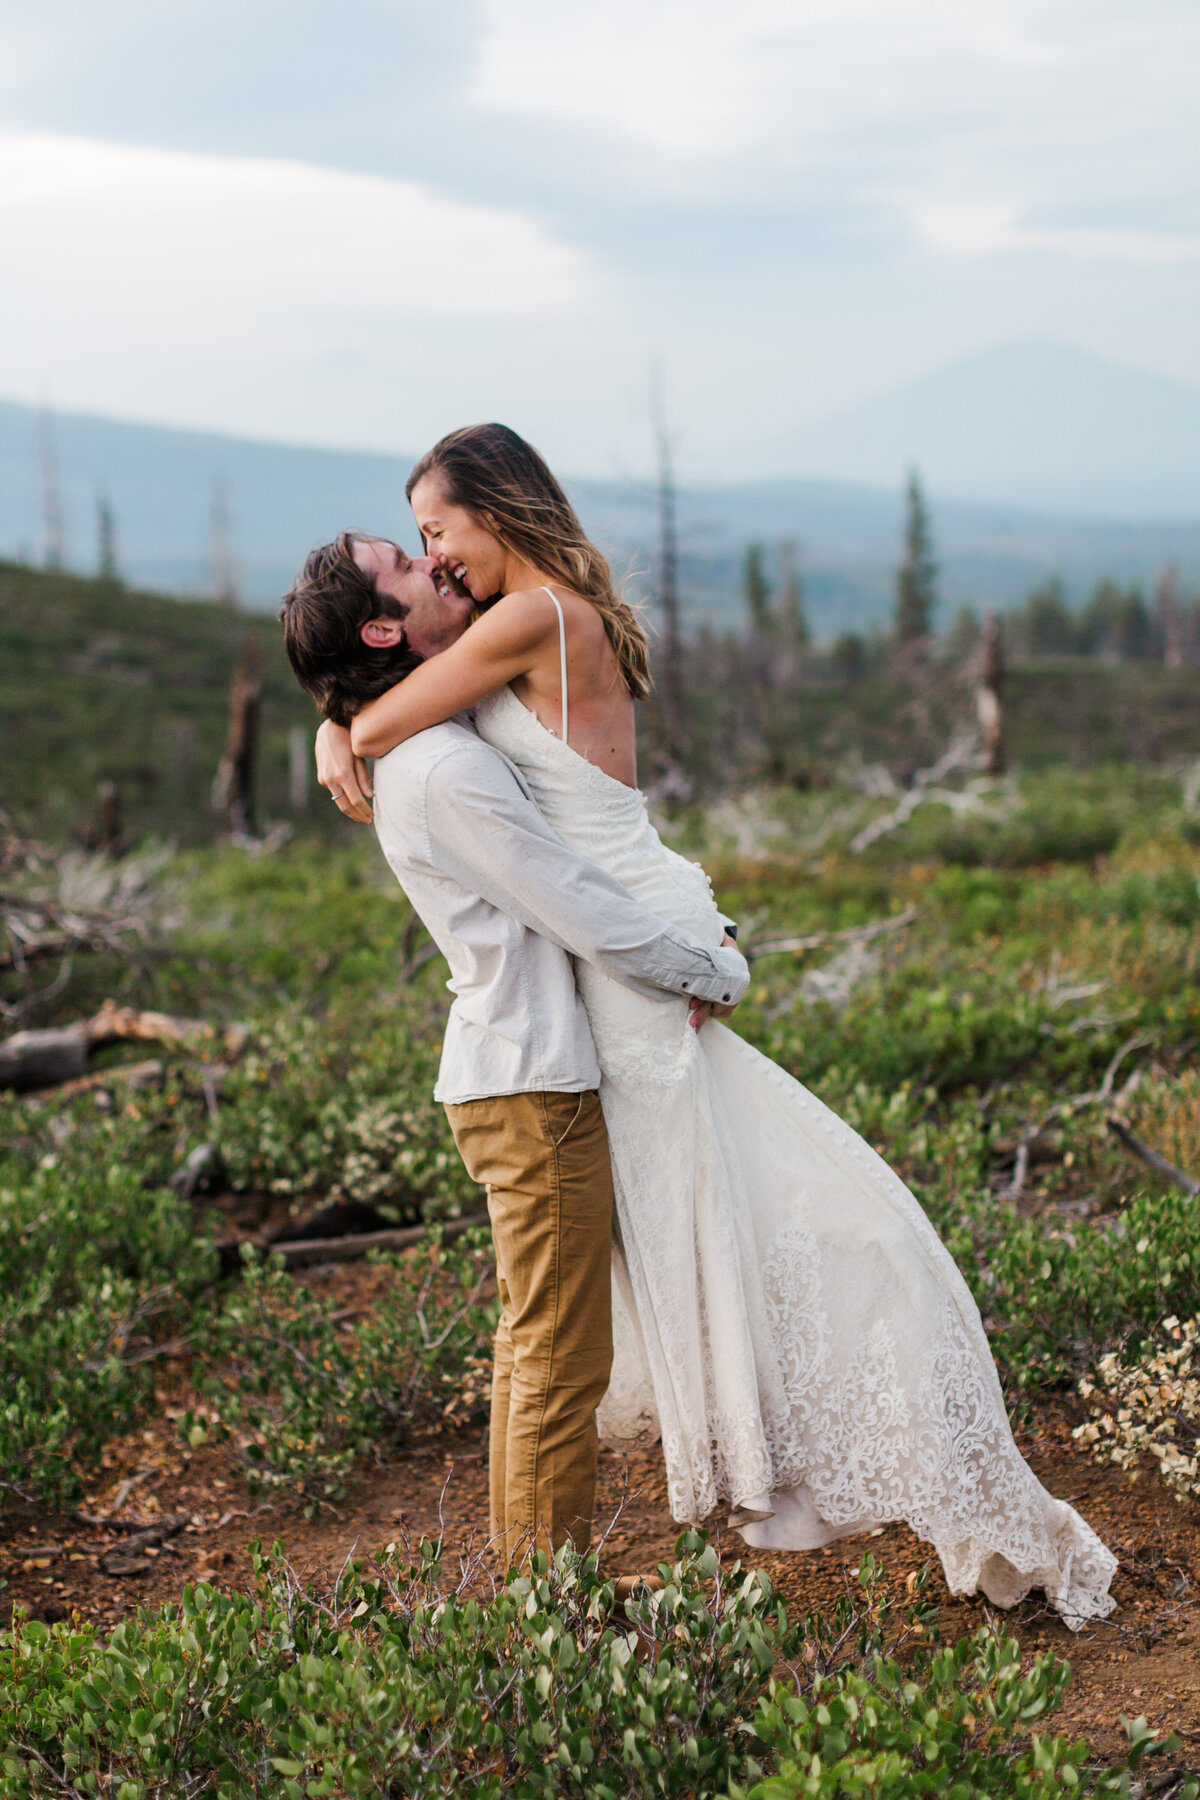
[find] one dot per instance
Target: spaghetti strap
(562, 658)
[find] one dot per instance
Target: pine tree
(757, 592)
(916, 594)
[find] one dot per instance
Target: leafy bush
(305, 1393)
(1052, 1298)
(407, 1681)
(955, 1723)
(91, 1266)
(401, 1683)
(1014, 986)
(1062, 833)
(313, 1111)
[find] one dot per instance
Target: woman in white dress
(786, 1319)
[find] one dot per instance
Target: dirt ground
(1144, 1659)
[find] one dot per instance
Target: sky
(365, 223)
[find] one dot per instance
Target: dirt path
(1144, 1659)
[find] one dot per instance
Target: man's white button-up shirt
(508, 904)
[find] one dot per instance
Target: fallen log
(115, 1023)
(128, 1558)
(47, 1058)
(306, 1251)
(43, 1058)
(148, 1074)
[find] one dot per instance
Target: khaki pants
(544, 1160)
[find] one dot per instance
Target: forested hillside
(98, 684)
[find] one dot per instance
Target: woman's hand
(343, 773)
(701, 1011)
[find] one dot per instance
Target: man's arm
(487, 834)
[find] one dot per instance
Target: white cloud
(702, 79)
(798, 202)
(974, 228)
(144, 271)
(1084, 104)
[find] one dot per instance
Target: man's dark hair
(323, 616)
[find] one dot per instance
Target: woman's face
(463, 546)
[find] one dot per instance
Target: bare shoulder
(524, 616)
(580, 614)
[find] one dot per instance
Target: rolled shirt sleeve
(491, 838)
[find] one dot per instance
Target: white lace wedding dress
(785, 1316)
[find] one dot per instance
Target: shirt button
(724, 996)
(685, 987)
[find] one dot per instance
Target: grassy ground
(1050, 937)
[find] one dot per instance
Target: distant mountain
(282, 499)
(1034, 424)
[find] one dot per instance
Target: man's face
(432, 615)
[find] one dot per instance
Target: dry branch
(57, 903)
(1064, 1109)
(114, 1022)
(420, 960)
(1177, 1177)
(961, 754)
(233, 789)
(989, 695)
(148, 1074)
(858, 934)
(306, 1251)
(40, 929)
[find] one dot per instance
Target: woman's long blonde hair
(504, 483)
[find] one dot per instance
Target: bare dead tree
(299, 764)
(109, 826)
(989, 695)
(1170, 613)
(224, 585)
(233, 790)
(52, 512)
(670, 681)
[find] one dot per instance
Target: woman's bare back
(601, 724)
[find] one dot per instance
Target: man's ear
(381, 633)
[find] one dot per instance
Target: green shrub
(1025, 839)
(315, 1111)
(305, 1393)
(399, 1684)
(961, 1030)
(956, 1722)
(414, 1682)
(92, 1267)
(1052, 1299)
